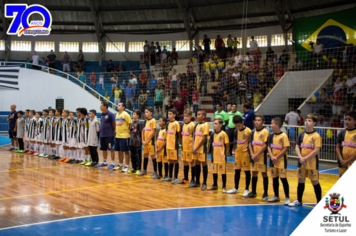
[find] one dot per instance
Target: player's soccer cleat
(137, 172)
(17, 151)
(143, 173)
(223, 190)
(67, 161)
(30, 152)
(25, 151)
(231, 191)
(77, 162)
(251, 195)
(125, 169)
(93, 164)
(56, 158)
(111, 166)
(11, 149)
(286, 201)
(212, 187)
(264, 198)
(274, 199)
(118, 167)
(21, 151)
(52, 157)
(88, 163)
(83, 163)
(193, 184)
(35, 153)
(132, 171)
(175, 181)
(101, 165)
(63, 159)
(295, 203)
(40, 155)
(181, 182)
(155, 176)
(203, 187)
(167, 179)
(246, 192)
(73, 162)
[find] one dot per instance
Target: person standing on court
(231, 126)
(248, 116)
(107, 134)
(12, 121)
(122, 138)
(221, 114)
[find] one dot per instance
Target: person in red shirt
(143, 79)
(257, 54)
(183, 93)
(167, 83)
(92, 79)
(337, 99)
(301, 117)
(279, 72)
(179, 105)
(218, 44)
(175, 56)
(195, 97)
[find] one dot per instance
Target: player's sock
(215, 178)
(160, 168)
(79, 154)
(42, 148)
(192, 173)
(317, 190)
(237, 178)
(154, 163)
(197, 173)
(57, 150)
(145, 163)
(300, 191)
(276, 186)
(205, 174)
(223, 176)
(166, 168)
(72, 154)
(265, 185)
(254, 183)
(248, 179)
(285, 186)
(186, 171)
(88, 157)
(176, 170)
(171, 170)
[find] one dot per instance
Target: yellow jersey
(307, 142)
(161, 139)
(122, 122)
(149, 128)
(217, 147)
(117, 94)
(277, 142)
(173, 129)
(207, 66)
(347, 141)
(213, 66)
(187, 136)
(242, 138)
(257, 139)
(200, 130)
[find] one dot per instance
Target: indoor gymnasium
(174, 117)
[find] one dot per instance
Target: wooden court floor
(35, 190)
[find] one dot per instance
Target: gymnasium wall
(133, 56)
(39, 90)
(293, 85)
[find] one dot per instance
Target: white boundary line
(130, 212)
(328, 170)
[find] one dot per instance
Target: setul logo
(335, 205)
(21, 14)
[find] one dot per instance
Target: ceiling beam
(99, 29)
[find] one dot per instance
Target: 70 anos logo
(21, 14)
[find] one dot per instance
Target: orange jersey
(173, 129)
(347, 141)
(242, 138)
(161, 139)
(199, 131)
(217, 147)
(187, 136)
(307, 143)
(257, 139)
(149, 128)
(277, 142)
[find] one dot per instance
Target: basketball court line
(74, 189)
(130, 212)
(35, 168)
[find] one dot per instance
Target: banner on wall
(332, 30)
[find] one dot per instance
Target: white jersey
(83, 130)
(46, 128)
(39, 126)
(66, 130)
(51, 128)
(73, 129)
(58, 129)
(32, 128)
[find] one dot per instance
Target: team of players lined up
(250, 153)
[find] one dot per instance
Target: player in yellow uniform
(172, 146)
(218, 148)
(277, 146)
(258, 151)
(187, 155)
(148, 142)
(242, 154)
(307, 148)
(346, 143)
(199, 148)
(161, 148)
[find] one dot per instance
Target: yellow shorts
(161, 157)
(200, 157)
(219, 168)
(149, 149)
(187, 156)
(172, 154)
(311, 174)
(242, 161)
(278, 172)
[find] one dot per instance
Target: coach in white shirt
(292, 118)
(253, 44)
(35, 60)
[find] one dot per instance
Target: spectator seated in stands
(336, 123)
(120, 68)
(253, 81)
(158, 63)
(257, 98)
(257, 54)
(143, 79)
(297, 64)
(322, 122)
(114, 79)
(109, 67)
(133, 79)
(76, 67)
(43, 64)
(248, 59)
(337, 100)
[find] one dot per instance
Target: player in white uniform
(26, 138)
(83, 136)
(45, 129)
(65, 134)
(51, 133)
(58, 128)
(31, 135)
(38, 135)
